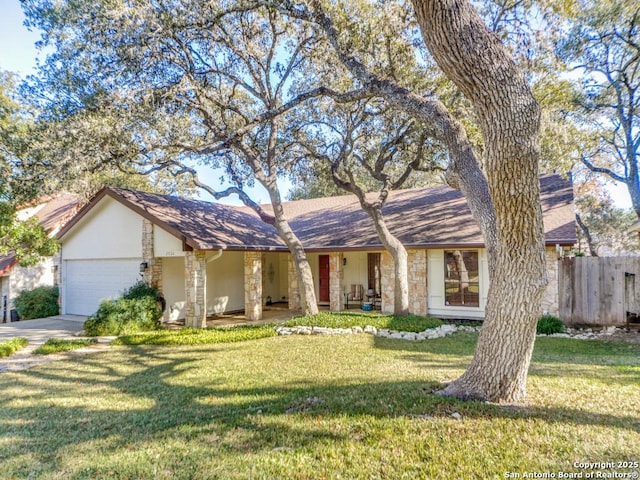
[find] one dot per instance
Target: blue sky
(18, 54)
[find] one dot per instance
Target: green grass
(308, 407)
(57, 345)
(10, 347)
(199, 336)
(407, 323)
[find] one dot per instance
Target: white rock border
(433, 333)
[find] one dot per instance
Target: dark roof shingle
(425, 217)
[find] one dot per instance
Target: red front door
(324, 277)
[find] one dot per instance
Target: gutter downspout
(216, 256)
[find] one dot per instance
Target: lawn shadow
(267, 415)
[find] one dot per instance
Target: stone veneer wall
(336, 280)
(417, 270)
(195, 284)
(153, 275)
(387, 280)
(294, 291)
(550, 303)
(253, 285)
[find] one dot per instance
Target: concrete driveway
(39, 330)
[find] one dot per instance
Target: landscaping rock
(439, 332)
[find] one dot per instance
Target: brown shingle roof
(425, 217)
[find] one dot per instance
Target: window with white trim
(461, 278)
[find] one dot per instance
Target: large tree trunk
(475, 60)
(308, 302)
(400, 261)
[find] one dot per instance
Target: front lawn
(308, 407)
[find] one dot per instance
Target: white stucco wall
(436, 291)
(165, 244)
(225, 282)
(275, 276)
(109, 230)
(355, 271)
(173, 288)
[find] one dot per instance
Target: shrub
(406, 323)
(548, 325)
(10, 347)
(139, 309)
(140, 290)
(37, 303)
(199, 336)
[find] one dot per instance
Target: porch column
(336, 281)
(294, 291)
(195, 284)
(153, 273)
(253, 285)
(417, 270)
(387, 279)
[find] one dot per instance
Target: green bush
(37, 303)
(57, 345)
(139, 309)
(405, 323)
(548, 325)
(141, 290)
(10, 347)
(199, 336)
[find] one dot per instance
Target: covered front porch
(212, 287)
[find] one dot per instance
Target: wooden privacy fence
(598, 290)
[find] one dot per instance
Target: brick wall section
(417, 270)
(387, 280)
(294, 291)
(336, 281)
(253, 285)
(195, 285)
(550, 296)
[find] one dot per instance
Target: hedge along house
(208, 258)
(52, 213)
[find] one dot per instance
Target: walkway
(37, 332)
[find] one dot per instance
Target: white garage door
(87, 282)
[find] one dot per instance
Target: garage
(87, 282)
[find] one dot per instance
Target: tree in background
(603, 45)
(164, 88)
(370, 151)
(603, 229)
(26, 239)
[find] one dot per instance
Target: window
(461, 274)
